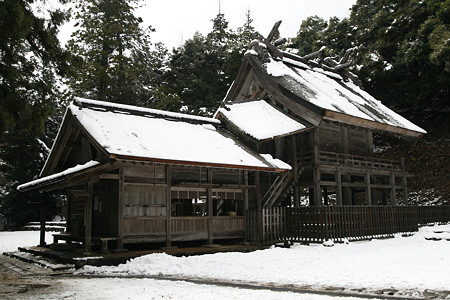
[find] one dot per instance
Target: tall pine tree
(31, 61)
(113, 59)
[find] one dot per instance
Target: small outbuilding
(136, 175)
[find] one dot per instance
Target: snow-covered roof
(125, 135)
(259, 119)
(60, 175)
(329, 91)
(82, 102)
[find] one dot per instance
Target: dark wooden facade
(149, 202)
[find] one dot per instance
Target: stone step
(46, 262)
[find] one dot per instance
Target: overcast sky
(176, 20)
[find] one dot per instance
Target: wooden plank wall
(317, 224)
(105, 211)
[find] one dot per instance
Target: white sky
(176, 21)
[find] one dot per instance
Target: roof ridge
(142, 111)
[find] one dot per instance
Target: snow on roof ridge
(83, 102)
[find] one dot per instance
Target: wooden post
(338, 186)
(168, 206)
(295, 170)
(259, 206)
(404, 183)
(42, 219)
(316, 171)
(88, 218)
(369, 142)
(325, 196)
(246, 204)
(210, 209)
(120, 208)
(346, 191)
(368, 189)
(393, 200)
(374, 191)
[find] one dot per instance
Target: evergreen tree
(309, 36)
(31, 61)
(113, 59)
(196, 75)
(204, 67)
(395, 43)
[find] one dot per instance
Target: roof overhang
(377, 126)
(120, 157)
(67, 178)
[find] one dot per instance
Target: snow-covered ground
(407, 266)
(11, 240)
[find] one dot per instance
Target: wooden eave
(121, 157)
(376, 126)
(73, 178)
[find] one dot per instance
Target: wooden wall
(105, 210)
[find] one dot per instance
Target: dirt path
(20, 278)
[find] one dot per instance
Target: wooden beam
(194, 163)
(110, 176)
(87, 243)
(42, 219)
(121, 207)
(295, 170)
(368, 189)
(369, 142)
(210, 209)
(392, 181)
(338, 186)
(273, 32)
(404, 183)
(246, 204)
(168, 206)
(316, 171)
(344, 58)
(347, 119)
(258, 191)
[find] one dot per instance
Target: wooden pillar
(121, 208)
(393, 200)
(258, 191)
(246, 204)
(295, 170)
(338, 186)
(312, 201)
(88, 218)
(325, 196)
(210, 209)
(369, 142)
(42, 219)
(259, 206)
(374, 191)
(316, 171)
(368, 189)
(168, 206)
(346, 191)
(404, 183)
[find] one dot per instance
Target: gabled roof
(124, 132)
(315, 92)
(259, 119)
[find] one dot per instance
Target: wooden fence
(317, 224)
